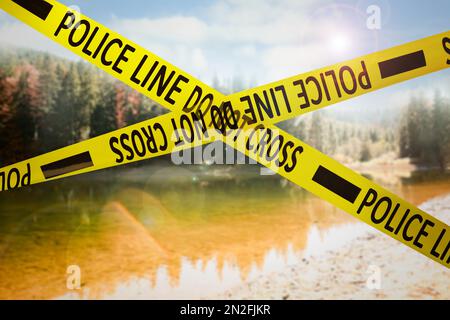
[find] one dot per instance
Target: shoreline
(372, 266)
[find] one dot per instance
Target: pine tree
(403, 140)
(23, 111)
(87, 100)
(331, 139)
(441, 128)
(120, 105)
(237, 84)
(365, 152)
(315, 135)
(21, 127)
(413, 127)
(216, 83)
(64, 114)
(103, 118)
(427, 134)
(50, 85)
(7, 88)
(373, 136)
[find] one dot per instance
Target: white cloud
(173, 38)
(226, 36)
(253, 39)
(248, 51)
(259, 22)
(285, 61)
(176, 29)
(265, 40)
(17, 34)
(254, 42)
(256, 39)
(199, 59)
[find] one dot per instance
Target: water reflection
(166, 232)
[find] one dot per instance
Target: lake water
(165, 232)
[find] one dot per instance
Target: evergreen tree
(413, 128)
(441, 128)
(103, 118)
(365, 153)
(23, 115)
(427, 156)
(331, 139)
(373, 136)
(403, 140)
(87, 100)
(315, 135)
(216, 83)
(64, 114)
(7, 87)
(237, 84)
(120, 105)
(50, 85)
(49, 137)
(20, 128)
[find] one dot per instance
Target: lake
(165, 232)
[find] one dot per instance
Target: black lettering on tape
(405, 63)
(336, 184)
(406, 236)
(423, 232)
(142, 142)
(16, 178)
(263, 105)
(285, 97)
(217, 119)
(437, 253)
(175, 88)
(198, 92)
(64, 24)
(67, 165)
(446, 45)
(39, 8)
(12, 180)
(249, 113)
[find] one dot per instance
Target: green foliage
(365, 153)
(48, 102)
(316, 132)
(425, 132)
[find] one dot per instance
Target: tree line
(424, 134)
(47, 103)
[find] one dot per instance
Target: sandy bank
(355, 270)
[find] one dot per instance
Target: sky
(259, 41)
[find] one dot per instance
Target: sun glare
(339, 43)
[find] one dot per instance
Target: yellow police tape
(252, 111)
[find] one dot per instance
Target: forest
(47, 102)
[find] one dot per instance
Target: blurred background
(156, 230)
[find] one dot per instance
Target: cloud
(225, 37)
(17, 34)
(251, 39)
(259, 22)
(288, 60)
(265, 40)
(176, 29)
(253, 42)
